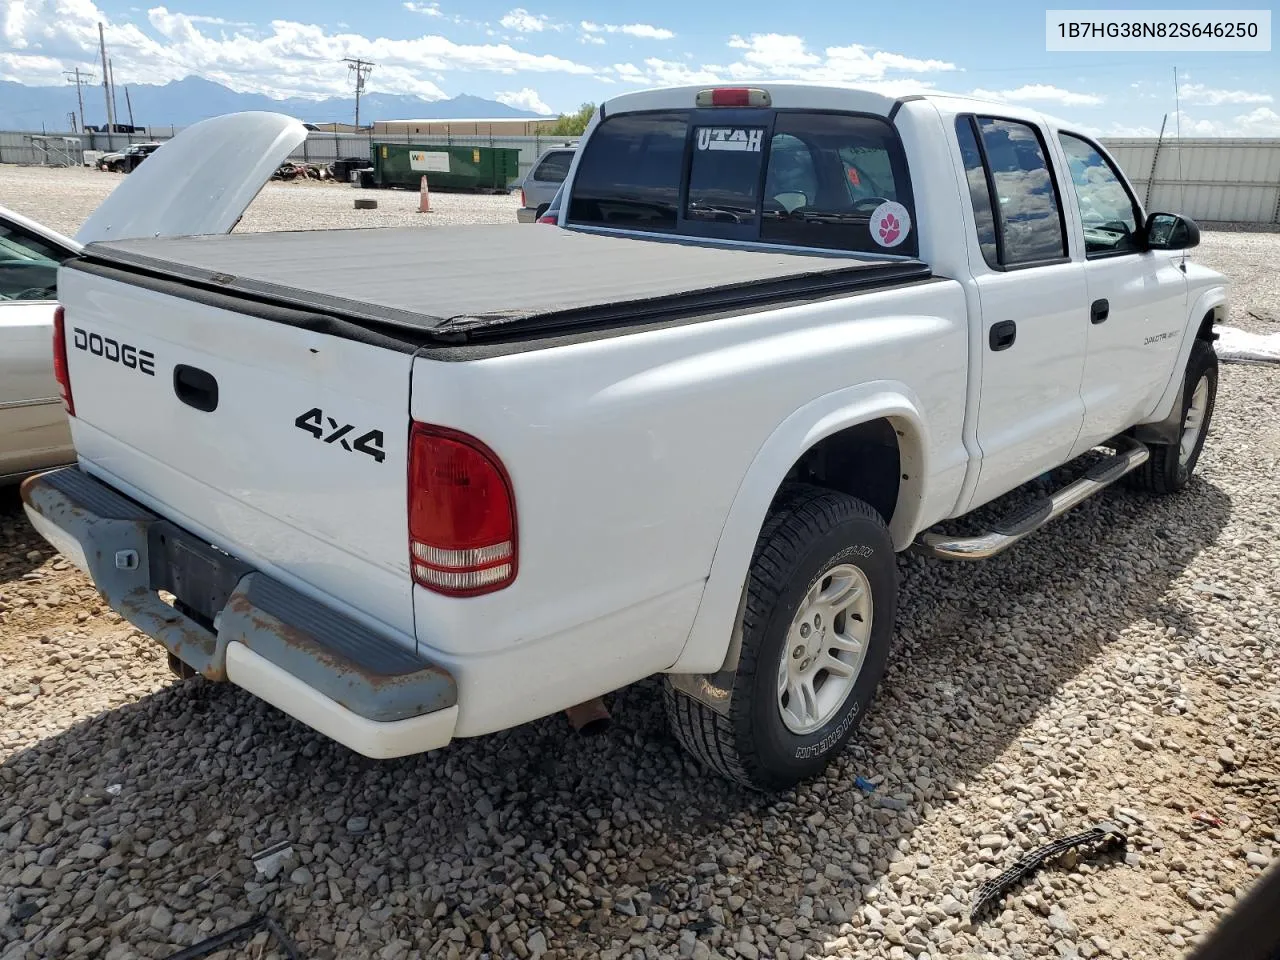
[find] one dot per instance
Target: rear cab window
(835, 181)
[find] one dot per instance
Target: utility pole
(115, 108)
(106, 82)
(128, 103)
(73, 76)
(360, 68)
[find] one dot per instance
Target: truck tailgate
(281, 445)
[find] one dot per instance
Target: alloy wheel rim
(825, 649)
(1193, 423)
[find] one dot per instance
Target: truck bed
(413, 287)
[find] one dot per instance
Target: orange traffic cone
(424, 197)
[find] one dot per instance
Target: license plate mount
(200, 576)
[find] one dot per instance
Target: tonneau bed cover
(421, 286)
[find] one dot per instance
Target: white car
(34, 433)
(780, 333)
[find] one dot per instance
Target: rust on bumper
(114, 539)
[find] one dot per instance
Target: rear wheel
(820, 606)
(1170, 467)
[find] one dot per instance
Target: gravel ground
(1121, 665)
(62, 199)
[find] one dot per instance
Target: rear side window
(1013, 190)
(837, 181)
(554, 167)
(979, 191)
(1029, 224)
(629, 175)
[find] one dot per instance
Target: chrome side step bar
(1130, 455)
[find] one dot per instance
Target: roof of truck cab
(452, 285)
(794, 95)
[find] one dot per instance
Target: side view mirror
(1170, 231)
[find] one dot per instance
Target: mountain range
(183, 102)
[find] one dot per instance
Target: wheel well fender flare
(1208, 303)
(709, 638)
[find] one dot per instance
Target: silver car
(34, 433)
(542, 182)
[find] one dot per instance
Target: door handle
(1003, 334)
(195, 387)
(1099, 310)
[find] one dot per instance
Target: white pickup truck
(409, 485)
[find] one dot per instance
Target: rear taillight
(548, 218)
(733, 97)
(524, 202)
(61, 372)
(462, 514)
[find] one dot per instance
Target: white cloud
(774, 56)
(591, 38)
(426, 9)
(1198, 93)
(281, 59)
(217, 21)
(1041, 92)
(525, 99)
(522, 21)
(1259, 122)
(644, 31)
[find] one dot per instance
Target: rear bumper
(527, 215)
(235, 623)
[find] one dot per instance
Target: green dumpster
(445, 167)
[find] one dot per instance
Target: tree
(574, 124)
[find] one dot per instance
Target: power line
(360, 69)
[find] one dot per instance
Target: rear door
(1033, 300)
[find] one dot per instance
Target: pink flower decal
(889, 229)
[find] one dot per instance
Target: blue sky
(552, 56)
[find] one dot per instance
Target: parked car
(541, 183)
(769, 346)
(34, 433)
(127, 160)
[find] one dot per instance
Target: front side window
(630, 172)
(1026, 198)
(1108, 213)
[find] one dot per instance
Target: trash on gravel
(1241, 346)
(1104, 837)
(1207, 818)
(863, 784)
(236, 934)
(272, 860)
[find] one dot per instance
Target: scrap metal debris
(1106, 836)
(246, 931)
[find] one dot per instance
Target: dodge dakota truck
(777, 334)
